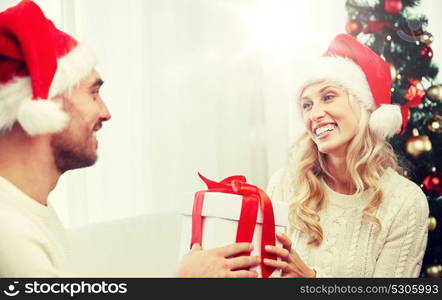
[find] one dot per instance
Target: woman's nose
(317, 112)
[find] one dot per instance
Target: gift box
(233, 211)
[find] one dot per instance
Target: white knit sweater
(33, 241)
(350, 247)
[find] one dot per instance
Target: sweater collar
(354, 200)
(13, 196)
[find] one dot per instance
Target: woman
(351, 214)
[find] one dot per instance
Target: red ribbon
(252, 198)
(376, 26)
(414, 96)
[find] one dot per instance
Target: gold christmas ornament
(426, 38)
(432, 223)
(434, 271)
(418, 144)
(435, 124)
(393, 72)
(435, 92)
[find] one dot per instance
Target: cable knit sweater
(33, 241)
(351, 247)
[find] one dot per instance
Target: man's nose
(104, 114)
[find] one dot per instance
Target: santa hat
(37, 62)
(367, 76)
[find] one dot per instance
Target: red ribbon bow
(414, 96)
(252, 198)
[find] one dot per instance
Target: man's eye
(95, 95)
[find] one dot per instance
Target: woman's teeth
(324, 129)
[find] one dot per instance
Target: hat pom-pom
(386, 120)
(42, 117)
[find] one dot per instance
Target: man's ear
(59, 99)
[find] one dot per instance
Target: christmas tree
(392, 29)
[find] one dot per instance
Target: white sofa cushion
(141, 246)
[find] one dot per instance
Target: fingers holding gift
(236, 266)
(278, 264)
(235, 249)
(283, 253)
(242, 262)
(213, 263)
(284, 240)
(290, 264)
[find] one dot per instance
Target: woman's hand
(219, 262)
(291, 264)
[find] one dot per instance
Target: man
(50, 111)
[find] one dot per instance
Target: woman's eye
(329, 96)
(306, 105)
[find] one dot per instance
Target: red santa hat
(37, 62)
(358, 69)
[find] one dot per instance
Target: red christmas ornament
(353, 27)
(393, 6)
(414, 96)
(427, 53)
(432, 184)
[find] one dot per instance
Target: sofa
(140, 246)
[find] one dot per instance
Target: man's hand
(219, 262)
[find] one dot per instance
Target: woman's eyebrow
(319, 92)
(97, 83)
(326, 87)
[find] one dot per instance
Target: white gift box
(221, 212)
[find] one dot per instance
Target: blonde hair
(367, 159)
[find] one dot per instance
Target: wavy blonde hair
(367, 159)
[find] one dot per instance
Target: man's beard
(69, 154)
